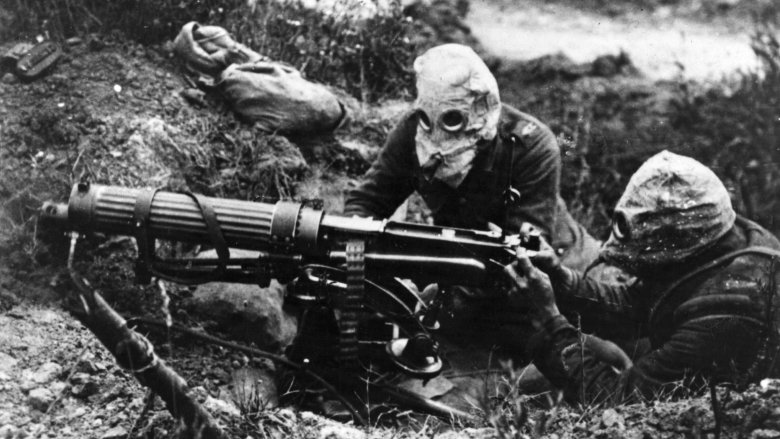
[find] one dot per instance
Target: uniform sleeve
(389, 181)
(575, 291)
(586, 368)
(536, 173)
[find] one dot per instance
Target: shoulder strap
(728, 257)
(511, 194)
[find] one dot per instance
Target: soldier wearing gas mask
(473, 160)
(705, 297)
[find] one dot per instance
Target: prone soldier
(705, 294)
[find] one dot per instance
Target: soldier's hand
(530, 284)
(546, 258)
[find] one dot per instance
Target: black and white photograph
(354, 219)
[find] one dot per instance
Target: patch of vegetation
(736, 131)
(608, 127)
(368, 56)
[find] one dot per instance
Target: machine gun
(349, 267)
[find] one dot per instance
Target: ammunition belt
(349, 303)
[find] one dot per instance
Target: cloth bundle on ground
(271, 94)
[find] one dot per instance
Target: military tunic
(524, 157)
(717, 323)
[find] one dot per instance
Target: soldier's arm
(702, 345)
(536, 173)
(389, 181)
(574, 290)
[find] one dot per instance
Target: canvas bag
(271, 94)
(208, 50)
(277, 98)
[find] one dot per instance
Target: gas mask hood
(673, 208)
(457, 106)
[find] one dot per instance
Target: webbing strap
(215, 232)
(145, 266)
(145, 243)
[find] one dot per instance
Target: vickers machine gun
(346, 268)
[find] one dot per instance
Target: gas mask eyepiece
(621, 226)
(453, 121)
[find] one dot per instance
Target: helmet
(673, 208)
(457, 106)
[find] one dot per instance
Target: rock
(88, 366)
(77, 413)
(10, 78)
(8, 431)
(58, 387)
(115, 433)
(27, 384)
(35, 429)
(341, 431)
(769, 386)
(247, 312)
(7, 362)
(40, 398)
(764, 434)
(215, 405)
(194, 96)
(254, 389)
(46, 373)
(85, 390)
(4, 376)
(80, 378)
(611, 418)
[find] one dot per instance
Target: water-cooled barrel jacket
(524, 155)
(718, 323)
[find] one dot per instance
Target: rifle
(349, 266)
